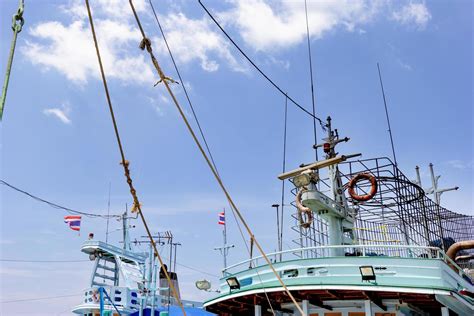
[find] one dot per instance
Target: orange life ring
(373, 187)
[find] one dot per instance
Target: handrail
(439, 254)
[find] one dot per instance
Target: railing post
(101, 300)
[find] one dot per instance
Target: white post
(368, 308)
(258, 310)
(444, 311)
(305, 307)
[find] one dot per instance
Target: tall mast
(224, 250)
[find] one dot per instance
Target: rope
(146, 43)
(57, 206)
(125, 163)
(203, 137)
(311, 76)
(17, 25)
(260, 71)
(182, 84)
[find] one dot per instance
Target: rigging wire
(40, 298)
(311, 76)
(283, 171)
(57, 206)
(42, 261)
(387, 116)
(125, 163)
(17, 25)
(202, 135)
(182, 84)
(321, 123)
(146, 44)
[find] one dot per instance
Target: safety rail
(395, 251)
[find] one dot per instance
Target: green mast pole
(17, 24)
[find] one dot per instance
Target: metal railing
(394, 251)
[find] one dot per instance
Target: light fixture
(367, 273)
(233, 283)
(302, 180)
(92, 257)
(203, 285)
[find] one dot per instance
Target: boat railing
(396, 251)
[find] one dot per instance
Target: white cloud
(283, 24)
(413, 14)
(195, 39)
(157, 105)
(269, 26)
(69, 49)
(60, 113)
(404, 65)
(459, 164)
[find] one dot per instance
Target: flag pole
(225, 241)
(224, 250)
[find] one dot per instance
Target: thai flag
(221, 218)
(74, 222)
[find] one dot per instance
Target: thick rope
(125, 163)
(146, 43)
(17, 25)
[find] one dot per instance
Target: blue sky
(57, 140)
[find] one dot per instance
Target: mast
(126, 236)
(224, 250)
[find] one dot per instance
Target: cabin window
(292, 273)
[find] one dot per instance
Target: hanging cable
(125, 163)
(260, 71)
(182, 84)
(146, 44)
(57, 206)
(311, 76)
(202, 134)
(42, 261)
(39, 298)
(17, 25)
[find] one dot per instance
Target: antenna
(435, 190)
(311, 76)
(388, 118)
(108, 215)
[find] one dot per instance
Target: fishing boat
(125, 281)
(368, 242)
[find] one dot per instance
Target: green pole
(17, 24)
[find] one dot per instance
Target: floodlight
(92, 257)
(233, 283)
(302, 180)
(203, 285)
(367, 273)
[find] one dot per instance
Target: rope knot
(125, 163)
(135, 207)
(145, 43)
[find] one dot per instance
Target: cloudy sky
(57, 140)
